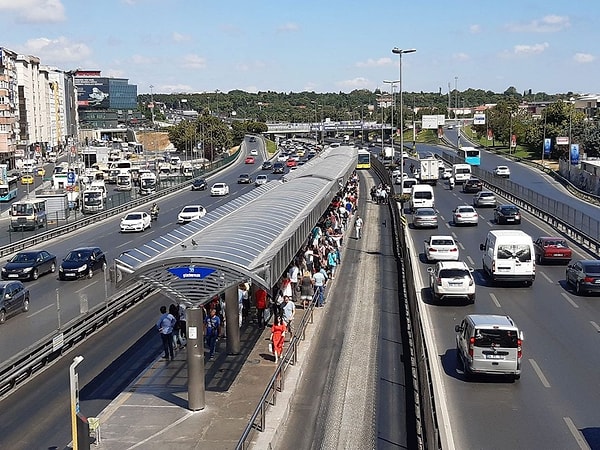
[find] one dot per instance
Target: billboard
(478, 119)
(432, 122)
(92, 92)
(547, 146)
(574, 154)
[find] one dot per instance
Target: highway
(32, 417)
(556, 399)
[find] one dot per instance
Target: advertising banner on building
(547, 146)
(479, 119)
(574, 154)
(92, 92)
(432, 122)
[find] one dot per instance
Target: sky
(185, 46)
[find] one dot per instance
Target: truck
(92, 200)
(429, 170)
(28, 215)
(147, 182)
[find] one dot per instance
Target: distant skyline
(327, 46)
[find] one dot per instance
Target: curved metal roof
(254, 236)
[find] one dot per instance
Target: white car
(135, 221)
(440, 248)
(465, 215)
(253, 152)
(502, 171)
(219, 189)
(191, 212)
(451, 279)
(260, 180)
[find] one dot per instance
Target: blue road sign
(191, 272)
(71, 177)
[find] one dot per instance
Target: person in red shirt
(260, 299)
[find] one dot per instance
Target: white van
(461, 173)
(421, 196)
(407, 185)
(509, 255)
(489, 344)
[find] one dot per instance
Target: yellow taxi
(27, 179)
(41, 172)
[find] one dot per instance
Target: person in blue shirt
(165, 325)
(212, 323)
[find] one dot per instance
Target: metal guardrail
(277, 382)
(52, 346)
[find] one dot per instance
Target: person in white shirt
(358, 224)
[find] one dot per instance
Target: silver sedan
(465, 215)
(425, 218)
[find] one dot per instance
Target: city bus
(9, 187)
(364, 160)
(470, 155)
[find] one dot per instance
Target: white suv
(502, 171)
(451, 279)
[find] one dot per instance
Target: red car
(291, 162)
(249, 160)
(548, 248)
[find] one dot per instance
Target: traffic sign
(71, 177)
(191, 272)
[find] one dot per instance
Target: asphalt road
(557, 396)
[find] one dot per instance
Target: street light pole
(392, 83)
(400, 52)
(152, 104)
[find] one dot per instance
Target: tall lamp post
(152, 104)
(392, 83)
(400, 52)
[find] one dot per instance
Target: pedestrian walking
(289, 311)
(306, 289)
(165, 325)
(358, 224)
(177, 342)
(319, 280)
(183, 321)
(278, 337)
(212, 323)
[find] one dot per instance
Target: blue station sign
(191, 272)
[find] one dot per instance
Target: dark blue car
(29, 265)
(82, 262)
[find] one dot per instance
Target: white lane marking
(548, 279)
(570, 300)
(78, 291)
(539, 373)
(37, 312)
(495, 300)
(595, 325)
(470, 260)
(583, 445)
(454, 236)
(462, 247)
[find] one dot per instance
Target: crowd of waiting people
(305, 281)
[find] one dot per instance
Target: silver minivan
(489, 344)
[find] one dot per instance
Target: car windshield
(486, 194)
(555, 243)
(465, 210)
(425, 212)
(80, 255)
(509, 210)
(442, 242)
(454, 273)
(133, 216)
(592, 268)
(189, 209)
(495, 338)
(23, 257)
(522, 252)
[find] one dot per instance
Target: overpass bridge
(326, 128)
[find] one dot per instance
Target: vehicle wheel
(53, 268)
(459, 362)
(2, 316)
(472, 299)
(517, 376)
(90, 273)
(26, 305)
(435, 297)
(149, 224)
(35, 274)
(104, 266)
(538, 259)
(578, 290)
(528, 283)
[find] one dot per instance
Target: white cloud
(174, 88)
(55, 51)
(143, 60)
(475, 28)
(523, 49)
(178, 37)
(385, 61)
(583, 58)
(114, 73)
(288, 27)
(354, 83)
(35, 11)
(460, 57)
(547, 24)
(193, 61)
